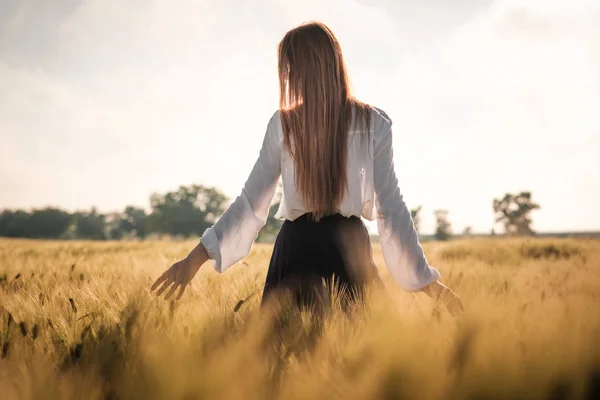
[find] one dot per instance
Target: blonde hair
(316, 114)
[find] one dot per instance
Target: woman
(334, 156)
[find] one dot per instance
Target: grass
(77, 321)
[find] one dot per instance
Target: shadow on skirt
(311, 260)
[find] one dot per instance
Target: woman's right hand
(441, 292)
(454, 304)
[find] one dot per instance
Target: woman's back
(372, 192)
(358, 199)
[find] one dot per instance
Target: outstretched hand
(454, 304)
(180, 274)
(440, 292)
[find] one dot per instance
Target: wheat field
(77, 321)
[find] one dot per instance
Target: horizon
(105, 103)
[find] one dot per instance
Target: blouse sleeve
(231, 237)
(399, 239)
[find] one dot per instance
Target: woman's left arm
(231, 237)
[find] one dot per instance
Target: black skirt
(312, 259)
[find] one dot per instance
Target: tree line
(185, 212)
(190, 210)
(513, 211)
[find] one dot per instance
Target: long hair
(317, 111)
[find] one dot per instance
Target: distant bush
(515, 251)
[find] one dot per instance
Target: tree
(90, 225)
(14, 223)
(443, 229)
(414, 214)
(467, 231)
(48, 223)
(188, 211)
(132, 222)
(272, 226)
(113, 226)
(513, 211)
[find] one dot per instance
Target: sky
(103, 102)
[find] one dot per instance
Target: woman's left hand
(181, 273)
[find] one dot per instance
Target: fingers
(181, 290)
(171, 279)
(171, 292)
(167, 278)
(164, 287)
(173, 289)
(160, 280)
(456, 307)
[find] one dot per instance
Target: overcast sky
(103, 102)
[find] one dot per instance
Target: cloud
(106, 101)
(506, 103)
(143, 96)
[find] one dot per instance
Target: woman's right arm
(440, 292)
(399, 239)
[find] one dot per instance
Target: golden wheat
(77, 321)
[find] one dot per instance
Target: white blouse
(372, 193)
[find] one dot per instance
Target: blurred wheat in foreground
(77, 321)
